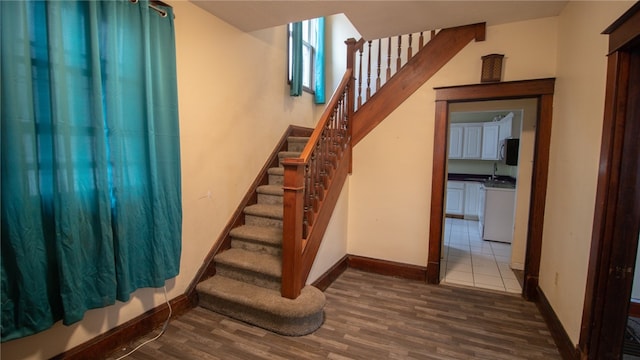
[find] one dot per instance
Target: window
(309, 45)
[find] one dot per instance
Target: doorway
(473, 255)
(542, 92)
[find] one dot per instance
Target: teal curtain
(91, 202)
(296, 59)
(319, 63)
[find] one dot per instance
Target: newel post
(292, 227)
(351, 95)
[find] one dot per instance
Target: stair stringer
(418, 70)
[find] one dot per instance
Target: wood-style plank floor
(370, 316)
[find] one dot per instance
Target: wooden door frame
(608, 290)
(540, 89)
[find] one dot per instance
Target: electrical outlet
(555, 280)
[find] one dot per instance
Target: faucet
(495, 168)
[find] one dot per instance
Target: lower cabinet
(455, 198)
(462, 199)
(471, 197)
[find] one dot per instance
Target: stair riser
(296, 146)
(262, 221)
(284, 326)
(276, 180)
(269, 199)
(250, 277)
(254, 246)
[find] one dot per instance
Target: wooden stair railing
(312, 185)
(386, 56)
(411, 70)
(312, 182)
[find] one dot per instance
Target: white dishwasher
(498, 214)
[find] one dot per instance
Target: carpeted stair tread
(265, 210)
(288, 154)
(251, 261)
(270, 190)
(263, 234)
(264, 307)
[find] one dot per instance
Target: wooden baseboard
(389, 268)
(121, 335)
(565, 346)
(326, 279)
(634, 309)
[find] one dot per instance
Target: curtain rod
(155, 5)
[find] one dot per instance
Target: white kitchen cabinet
(490, 136)
(456, 133)
(455, 198)
(506, 126)
(472, 148)
(471, 197)
(493, 135)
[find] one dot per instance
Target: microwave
(509, 151)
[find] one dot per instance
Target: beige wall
(334, 244)
(574, 156)
(390, 189)
(234, 104)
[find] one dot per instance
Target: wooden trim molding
(325, 280)
(625, 30)
(388, 268)
(634, 309)
(121, 335)
(541, 89)
(560, 337)
(493, 91)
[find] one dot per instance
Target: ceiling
(379, 19)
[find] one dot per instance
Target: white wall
(234, 104)
(390, 189)
(574, 156)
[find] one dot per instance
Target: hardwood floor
(370, 316)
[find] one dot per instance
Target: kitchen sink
(503, 184)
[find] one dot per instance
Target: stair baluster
(365, 57)
(378, 77)
(388, 59)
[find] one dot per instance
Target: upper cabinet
(456, 132)
(490, 136)
(493, 135)
(465, 141)
(472, 148)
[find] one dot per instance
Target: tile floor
(468, 260)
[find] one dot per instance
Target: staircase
(261, 262)
(247, 282)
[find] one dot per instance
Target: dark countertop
(481, 178)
